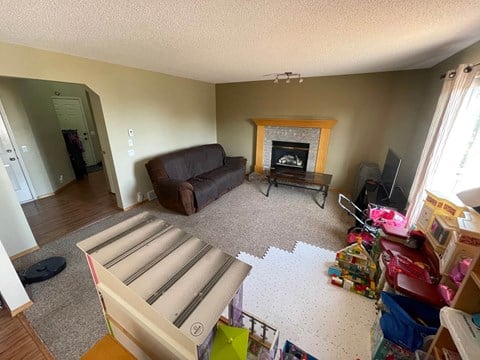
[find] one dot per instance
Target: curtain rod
(467, 69)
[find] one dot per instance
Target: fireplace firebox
(289, 155)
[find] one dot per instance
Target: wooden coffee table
(302, 179)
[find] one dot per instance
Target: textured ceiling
(240, 40)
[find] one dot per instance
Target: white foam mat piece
(292, 291)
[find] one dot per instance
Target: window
(459, 165)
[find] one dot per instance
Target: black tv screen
(390, 172)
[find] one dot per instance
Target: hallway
(78, 204)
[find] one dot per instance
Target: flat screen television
(390, 172)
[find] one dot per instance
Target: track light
(287, 76)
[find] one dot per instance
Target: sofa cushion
(189, 163)
(205, 191)
(225, 178)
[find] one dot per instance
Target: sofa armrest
(172, 185)
(176, 195)
(235, 161)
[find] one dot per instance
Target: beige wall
(165, 112)
(37, 99)
(366, 106)
(97, 116)
(11, 288)
(401, 122)
(15, 233)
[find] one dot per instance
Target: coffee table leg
(269, 186)
(325, 194)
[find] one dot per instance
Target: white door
(12, 163)
(72, 117)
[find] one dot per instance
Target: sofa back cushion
(187, 163)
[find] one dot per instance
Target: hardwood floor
(78, 204)
(18, 340)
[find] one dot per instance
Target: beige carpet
(66, 312)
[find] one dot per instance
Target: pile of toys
(355, 270)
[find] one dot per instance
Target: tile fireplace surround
(297, 130)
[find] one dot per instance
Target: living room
(391, 106)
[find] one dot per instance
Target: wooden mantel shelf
(322, 124)
(325, 126)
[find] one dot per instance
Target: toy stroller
(364, 228)
(372, 219)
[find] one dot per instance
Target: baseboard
(63, 187)
(24, 252)
(133, 206)
(45, 196)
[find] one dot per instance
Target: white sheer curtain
(455, 87)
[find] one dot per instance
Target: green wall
(369, 109)
(374, 112)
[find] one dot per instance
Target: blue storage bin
(406, 321)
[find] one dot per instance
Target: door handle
(12, 159)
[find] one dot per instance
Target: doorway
(37, 111)
(71, 116)
(12, 161)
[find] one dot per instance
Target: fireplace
(289, 155)
(267, 131)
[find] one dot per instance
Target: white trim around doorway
(18, 153)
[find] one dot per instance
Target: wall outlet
(60, 179)
(139, 197)
(151, 195)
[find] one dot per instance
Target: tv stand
(374, 193)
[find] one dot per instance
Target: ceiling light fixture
(287, 76)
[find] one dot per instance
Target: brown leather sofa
(187, 180)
